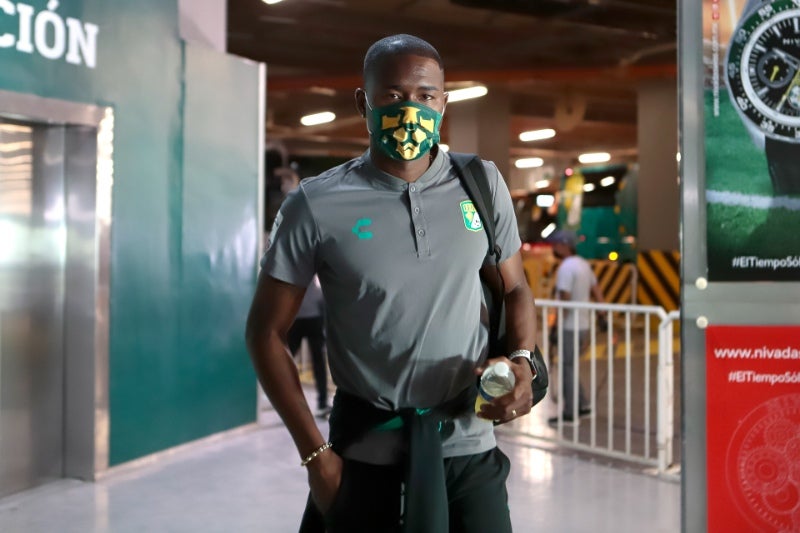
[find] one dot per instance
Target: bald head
(393, 46)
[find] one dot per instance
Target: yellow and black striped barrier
(659, 278)
(617, 280)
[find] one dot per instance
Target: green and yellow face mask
(404, 130)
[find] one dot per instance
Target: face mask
(405, 131)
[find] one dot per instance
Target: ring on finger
(514, 413)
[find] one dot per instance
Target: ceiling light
(548, 230)
(545, 200)
(317, 118)
(589, 187)
(537, 135)
(542, 184)
(598, 157)
(465, 94)
(529, 162)
(608, 180)
(271, 1)
(444, 147)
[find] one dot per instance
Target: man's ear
(361, 101)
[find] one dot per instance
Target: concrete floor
(249, 481)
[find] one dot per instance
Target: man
(575, 282)
(398, 251)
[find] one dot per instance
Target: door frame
(86, 329)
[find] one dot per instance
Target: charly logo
(471, 218)
(48, 34)
(360, 229)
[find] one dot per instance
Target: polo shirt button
(420, 232)
(416, 210)
(413, 188)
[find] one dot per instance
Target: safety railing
(626, 363)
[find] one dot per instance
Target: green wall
(184, 230)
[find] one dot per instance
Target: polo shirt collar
(395, 183)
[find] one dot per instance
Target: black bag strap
(473, 177)
(470, 170)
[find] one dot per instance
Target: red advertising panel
(753, 428)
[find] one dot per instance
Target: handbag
(472, 174)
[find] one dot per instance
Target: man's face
(560, 250)
(405, 78)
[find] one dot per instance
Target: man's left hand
(516, 403)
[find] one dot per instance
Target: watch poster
(751, 61)
(753, 428)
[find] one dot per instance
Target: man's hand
(325, 479)
(516, 403)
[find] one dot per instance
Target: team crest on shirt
(471, 218)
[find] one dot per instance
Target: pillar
(658, 186)
(482, 126)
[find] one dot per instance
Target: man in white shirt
(575, 282)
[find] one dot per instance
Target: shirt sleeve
(293, 242)
(505, 220)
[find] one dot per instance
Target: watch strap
(783, 160)
(525, 354)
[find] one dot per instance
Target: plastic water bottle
(496, 380)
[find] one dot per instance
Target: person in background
(399, 252)
(575, 282)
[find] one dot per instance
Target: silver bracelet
(316, 453)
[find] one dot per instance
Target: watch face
(764, 69)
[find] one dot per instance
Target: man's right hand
(325, 479)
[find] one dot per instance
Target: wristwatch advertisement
(752, 120)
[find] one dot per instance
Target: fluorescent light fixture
(537, 135)
(444, 147)
(545, 200)
(588, 187)
(529, 162)
(598, 157)
(608, 180)
(457, 95)
(542, 184)
(603, 240)
(548, 230)
(317, 118)
(271, 1)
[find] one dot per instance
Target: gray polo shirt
(398, 264)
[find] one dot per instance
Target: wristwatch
(763, 73)
(526, 354)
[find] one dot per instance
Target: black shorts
(369, 498)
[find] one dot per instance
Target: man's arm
(520, 334)
(272, 312)
(597, 293)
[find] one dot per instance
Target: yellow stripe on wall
(659, 278)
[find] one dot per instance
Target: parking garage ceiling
(571, 65)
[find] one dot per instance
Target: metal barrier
(624, 421)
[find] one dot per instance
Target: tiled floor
(250, 481)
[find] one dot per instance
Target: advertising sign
(751, 55)
(753, 428)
